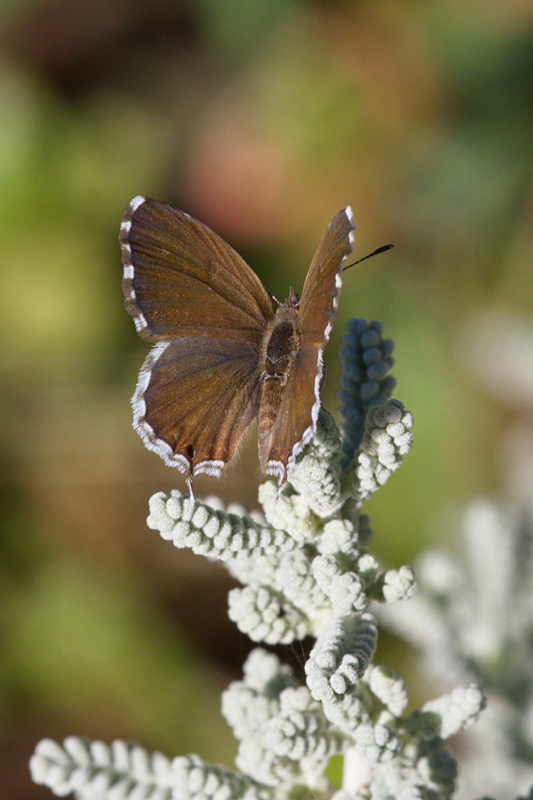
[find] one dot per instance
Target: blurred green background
(263, 118)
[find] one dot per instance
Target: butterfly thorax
(281, 341)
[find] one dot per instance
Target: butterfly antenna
(274, 298)
(373, 253)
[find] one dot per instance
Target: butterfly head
(292, 301)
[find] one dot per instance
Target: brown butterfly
(223, 356)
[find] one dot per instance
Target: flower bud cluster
(366, 359)
(97, 770)
(387, 438)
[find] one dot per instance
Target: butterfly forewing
(194, 400)
(298, 413)
(321, 292)
(182, 279)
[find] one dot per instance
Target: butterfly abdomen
(281, 343)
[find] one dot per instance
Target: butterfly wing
(297, 417)
(190, 292)
(320, 296)
(182, 279)
(194, 400)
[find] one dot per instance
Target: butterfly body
(223, 357)
(280, 348)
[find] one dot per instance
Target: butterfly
(223, 356)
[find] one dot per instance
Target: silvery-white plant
(472, 619)
(305, 570)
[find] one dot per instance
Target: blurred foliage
(263, 119)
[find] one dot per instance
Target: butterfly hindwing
(296, 418)
(194, 400)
